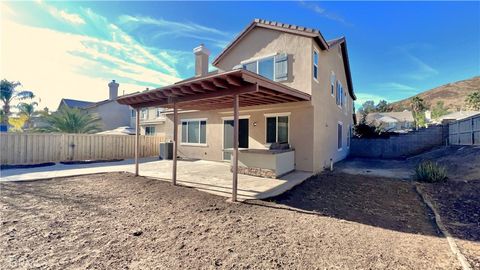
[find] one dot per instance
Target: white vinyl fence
(35, 148)
(465, 131)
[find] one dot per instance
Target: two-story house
(152, 120)
(290, 88)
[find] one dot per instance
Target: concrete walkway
(207, 176)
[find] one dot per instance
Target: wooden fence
(35, 148)
(465, 131)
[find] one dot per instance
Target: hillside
(453, 95)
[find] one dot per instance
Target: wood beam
(195, 87)
(235, 148)
(175, 143)
(220, 83)
(208, 85)
(137, 139)
(233, 80)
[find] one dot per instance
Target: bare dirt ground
(113, 221)
(459, 207)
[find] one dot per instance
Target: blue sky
(73, 49)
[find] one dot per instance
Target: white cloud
(420, 69)
(63, 15)
(394, 87)
(56, 65)
(168, 28)
(324, 13)
(362, 97)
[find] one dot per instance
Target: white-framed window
(277, 128)
(144, 113)
(339, 136)
(149, 130)
(194, 131)
(315, 65)
(158, 112)
(332, 84)
(339, 94)
(273, 67)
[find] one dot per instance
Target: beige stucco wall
(261, 42)
(313, 125)
(151, 120)
(326, 112)
(300, 135)
(112, 114)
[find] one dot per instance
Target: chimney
(201, 60)
(113, 90)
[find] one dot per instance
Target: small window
(194, 131)
(144, 113)
(159, 112)
(332, 84)
(132, 114)
(339, 136)
(251, 67)
(315, 65)
(277, 129)
(149, 130)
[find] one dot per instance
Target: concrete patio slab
(207, 176)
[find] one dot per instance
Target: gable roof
(283, 27)
(74, 103)
(296, 30)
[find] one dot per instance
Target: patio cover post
(235, 148)
(175, 139)
(137, 138)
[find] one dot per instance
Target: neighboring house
(293, 87)
(112, 114)
(152, 120)
(392, 121)
(456, 116)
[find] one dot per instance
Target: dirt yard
(459, 207)
(113, 221)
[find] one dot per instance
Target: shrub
(369, 131)
(431, 172)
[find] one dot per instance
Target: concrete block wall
(401, 145)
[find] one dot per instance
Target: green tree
(473, 100)
(8, 94)
(439, 110)
(71, 120)
(28, 111)
(418, 108)
(367, 107)
(383, 106)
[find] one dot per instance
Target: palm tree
(8, 94)
(418, 108)
(71, 120)
(28, 111)
(473, 100)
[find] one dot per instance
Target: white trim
(199, 120)
(277, 114)
(193, 119)
(257, 58)
(341, 148)
(313, 64)
(240, 117)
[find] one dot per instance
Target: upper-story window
(339, 95)
(315, 65)
(159, 112)
(144, 113)
(273, 67)
(332, 84)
